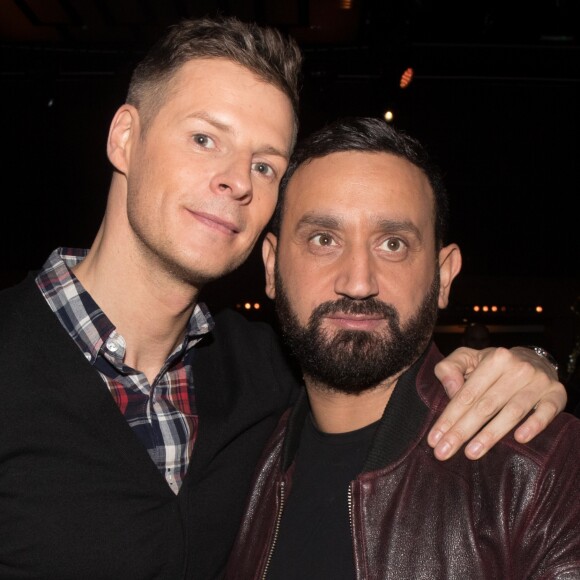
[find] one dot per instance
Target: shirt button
(88, 356)
(112, 346)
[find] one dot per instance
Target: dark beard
(352, 361)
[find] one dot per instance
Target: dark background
(495, 97)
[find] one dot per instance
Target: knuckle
(486, 407)
(524, 371)
(443, 364)
(557, 398)
(536, 424)
(519, 369)
(547, 408)
(503, 356)
(466, 396)
(515, 411)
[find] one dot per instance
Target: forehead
(216, 70)
(220, 84)
(356, 185)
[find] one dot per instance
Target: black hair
(372, 135)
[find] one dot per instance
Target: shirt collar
(80, 315)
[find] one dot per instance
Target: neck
(148, 307)
(336, 412)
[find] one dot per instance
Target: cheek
(405, 290)
(306, 289)
(262, 207)
(143, 196)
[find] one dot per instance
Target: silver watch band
(544, 354)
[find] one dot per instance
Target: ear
(269, 256)
(122, 133)
(449, 267)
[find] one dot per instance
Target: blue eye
(264, 169)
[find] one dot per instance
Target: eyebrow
(399, 226)
(318, 220)
(229, 129)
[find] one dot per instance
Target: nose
(235, 180)
(356, 277)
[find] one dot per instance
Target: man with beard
(130, 424)
(347, 487)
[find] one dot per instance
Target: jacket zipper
(350, 509)
(351, 522)
(276, 531)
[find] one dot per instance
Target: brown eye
(393, 244)
(322, 240)
(394, 248)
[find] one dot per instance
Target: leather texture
(512, 515)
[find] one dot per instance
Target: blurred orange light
(406, 78)
(257, 306)
(247, 306)
(476, 309)
(485, 308)
(539, 309)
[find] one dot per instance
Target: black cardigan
(79, 496)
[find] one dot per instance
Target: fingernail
(475, 449)
(445, 449)
(523, 434)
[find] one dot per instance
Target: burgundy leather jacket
(514, 514)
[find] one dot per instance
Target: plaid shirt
(162, 414)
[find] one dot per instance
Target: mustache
(343, 305)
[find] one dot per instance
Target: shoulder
(229, 321)
(20, 302)
(238, 345)
(233, 331)
(559, 442)
(529, 470)
(11, 293)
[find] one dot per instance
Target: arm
(491, 391)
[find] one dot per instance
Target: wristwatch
(544, 354)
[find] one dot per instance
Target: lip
(356, 321)
(216, 223)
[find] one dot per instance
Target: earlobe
(122, 132)
(269, 257)
(449, 267)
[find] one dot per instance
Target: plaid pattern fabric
(162, 414)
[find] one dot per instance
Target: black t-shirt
(315, 539)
